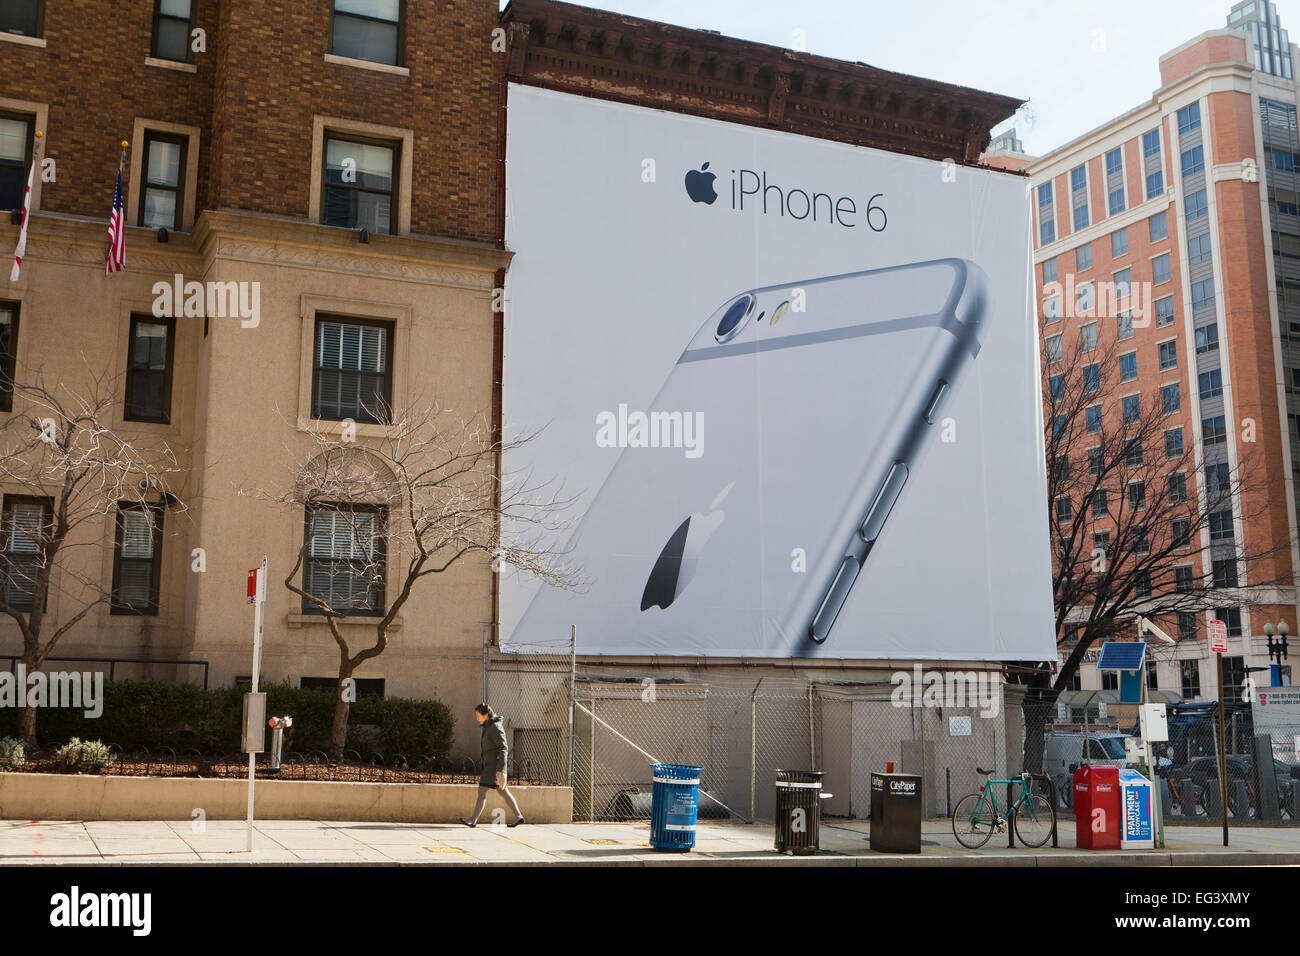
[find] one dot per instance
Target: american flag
(116, 259)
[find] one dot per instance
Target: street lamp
(1276, 649)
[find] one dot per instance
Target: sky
(1078, 64)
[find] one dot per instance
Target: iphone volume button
(884, 501)
(834, 599)
(936, 400)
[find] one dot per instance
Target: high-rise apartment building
(1187, 205)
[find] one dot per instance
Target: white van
(1064, 752)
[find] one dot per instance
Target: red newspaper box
(1097, 820)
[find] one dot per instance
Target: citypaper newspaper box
(1138, 832)
(1096, 808)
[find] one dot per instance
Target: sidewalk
(844, 843)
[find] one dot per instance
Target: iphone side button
(834, 599)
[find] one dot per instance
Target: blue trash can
(674, 806)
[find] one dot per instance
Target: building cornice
(574, 49)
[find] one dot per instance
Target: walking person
(495, 751)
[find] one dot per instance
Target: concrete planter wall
(56, 796)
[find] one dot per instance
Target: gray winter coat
(495, 752)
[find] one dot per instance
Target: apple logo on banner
(699, 185)
(680, 557)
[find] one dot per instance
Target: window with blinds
(345, 558)
(26, 522)
(351, 376)
(136, 564)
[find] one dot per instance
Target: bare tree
(385, 514)
(1140, 523)
(73, 472)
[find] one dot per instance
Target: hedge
(154, 714)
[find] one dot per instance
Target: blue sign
(1135, 805)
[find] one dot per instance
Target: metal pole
(258, 599)
(573, 687)
(591, 773)
(1223, 759)
(753, 743)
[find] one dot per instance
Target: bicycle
(976, 817)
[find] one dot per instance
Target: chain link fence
(739, 727)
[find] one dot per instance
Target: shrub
(84, 756)
(12, 753)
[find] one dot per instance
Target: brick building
(1190, 196)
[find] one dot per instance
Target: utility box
(1097, 820)
(252, 738)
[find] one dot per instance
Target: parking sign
(1218, 637)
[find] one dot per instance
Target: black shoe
(469, 823)
(516, 823)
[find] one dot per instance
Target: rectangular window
(1056, 387)
(1158, 227)
(1168, 355)
(1193, 160)
(1119, 243)
(1132, 408)
(1099, 509)
(1218, 481)
(1142, 586)
(1123, 281)
(1207, 338)
(1093, 416)
(1173, 443)
(162, 187)
(1180, 530)
(27, 525)
(23, 17)
(1081, 217)
(1283, 160)
(1214, 430)
(1151, 143)
(1088, 336)
(1094, 461)
(1220, 525)
(1196, 205)
(346, 559)
(1176, 489)
(350, 378)
(1128, 367)
(1115, 201)
(137, 563)
(1160, 273)
(1091, 377)
(1137, 495)
(1046, 232)
(1224, 573)
(1083, 257)
(1210, 383)
(1183, 579)
(1064, 509)
(171, 30)
(1202, 293)
(1189, 118)
(359, 183)
(1170, 398)
(1234, 669)
(15, 159)
(1189, 671)
(149, 370)
(1051, 309)
(1133, 453)
(1155, 183)
(8, 353)
(1198, 249)
(1046, 215)
(1165, 311)
(368, 30)
(1187, 632)
(1114, 161)
(1061, 468)
(1054, 348)
(1049, 270)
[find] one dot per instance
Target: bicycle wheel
(973, 821)
(1033, 820)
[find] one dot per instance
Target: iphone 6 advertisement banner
(792, 385)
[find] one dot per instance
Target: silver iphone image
(810, 404)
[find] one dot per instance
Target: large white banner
(794, 385)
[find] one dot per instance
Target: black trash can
(798, 811)
(896, 813)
